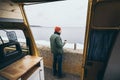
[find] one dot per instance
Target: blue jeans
(57, 59)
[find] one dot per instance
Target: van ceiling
(28, 1)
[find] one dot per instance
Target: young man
(57, 50)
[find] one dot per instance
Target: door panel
(103, 16)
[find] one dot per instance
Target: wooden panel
(19, 68)
(9, 9)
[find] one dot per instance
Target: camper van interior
(21, 60)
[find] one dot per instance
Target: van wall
(113, 68)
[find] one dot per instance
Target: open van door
(100, 60)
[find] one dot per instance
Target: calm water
(71, 34)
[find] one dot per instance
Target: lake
(71, 34)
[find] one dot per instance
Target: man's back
(56, 44)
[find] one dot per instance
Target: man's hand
(65, 41)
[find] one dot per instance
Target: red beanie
(57, 28)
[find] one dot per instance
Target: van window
(7, 36)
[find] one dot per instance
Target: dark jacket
(56, 44)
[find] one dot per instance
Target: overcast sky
(69, 13)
